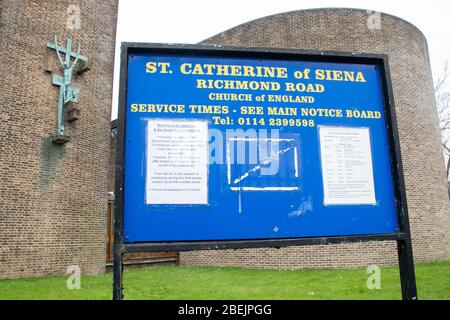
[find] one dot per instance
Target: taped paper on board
(347, 169)
(177, 162)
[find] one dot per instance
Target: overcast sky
(191, 21)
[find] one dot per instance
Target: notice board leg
(407, 274)
(118, 275)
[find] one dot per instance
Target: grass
(433, 282)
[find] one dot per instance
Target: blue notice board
(229, 147)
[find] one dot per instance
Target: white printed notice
(177, 162)
(346, 166)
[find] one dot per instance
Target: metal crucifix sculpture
(67, 92)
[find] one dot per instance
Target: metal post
(404, 246)
(117, 275)
(118, 259)
(406, 264)
(119, 188)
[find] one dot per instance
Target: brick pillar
(53, 199)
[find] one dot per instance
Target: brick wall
(112, 158)
(426, 185)
(53, 199)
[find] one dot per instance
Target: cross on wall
(67, 92)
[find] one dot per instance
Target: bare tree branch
(441, 79)
(442, 93)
